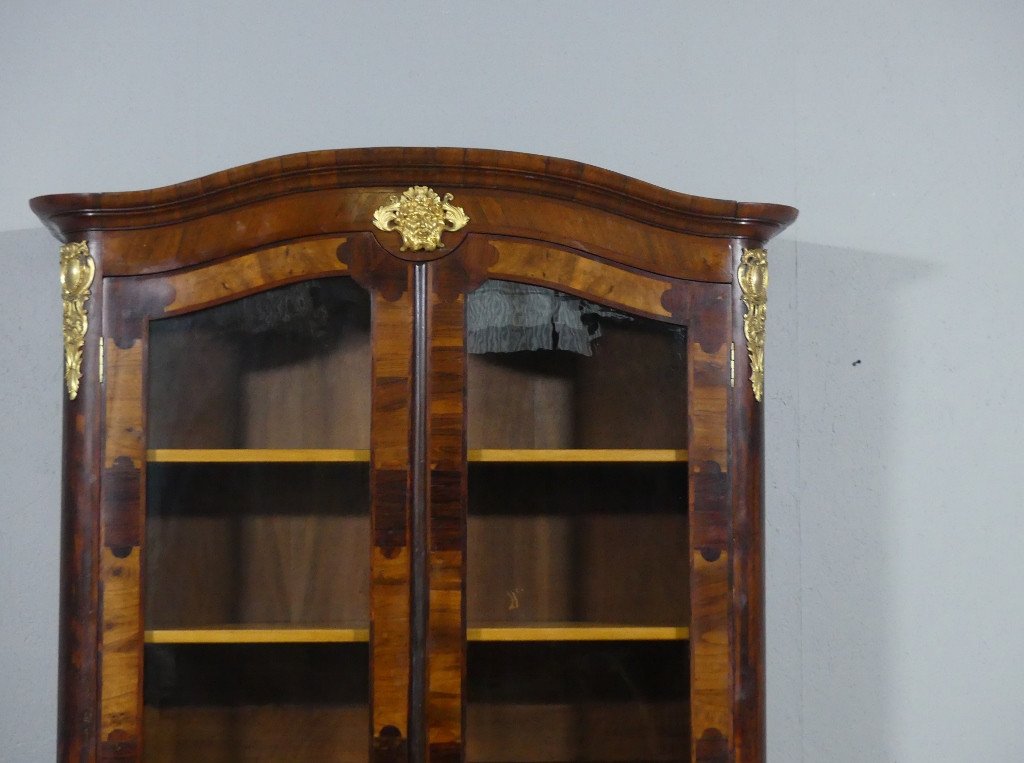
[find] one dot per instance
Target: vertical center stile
(420, 586)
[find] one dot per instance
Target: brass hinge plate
(100, 364)
(732, 365)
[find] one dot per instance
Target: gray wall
(895, 511)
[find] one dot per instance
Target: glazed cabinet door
(590, 445)
(254, 503)
(257, 528)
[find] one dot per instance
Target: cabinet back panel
(258, 544)
(265, 704)
(631, 393)
(578, 702)
(604, 543)
(286, 368)
(256, 734)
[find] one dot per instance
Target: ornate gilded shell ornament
(420, 215)
(77, 269)
(753, 278)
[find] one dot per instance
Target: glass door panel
(577, 553)
(256, 553)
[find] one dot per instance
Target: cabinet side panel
(748, 550)
(392, 337)
(78, 665)
(446, 380)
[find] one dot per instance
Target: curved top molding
(566, 205)
(68, 215)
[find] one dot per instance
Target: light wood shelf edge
(287, 635)
(574, 632)
(256, 455)
(577, 455)
(282, 635)
(481, 455)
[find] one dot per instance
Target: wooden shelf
(257, 634)
(577, 632)
(256, 455)
(576, 455)
(491, 633)
(487, 455)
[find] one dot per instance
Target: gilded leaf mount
(420, 215)
(77, 269)
(753, 278)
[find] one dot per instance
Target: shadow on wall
(833, 356)
(30, 409)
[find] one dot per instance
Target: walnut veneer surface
(415, 541)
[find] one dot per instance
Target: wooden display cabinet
(412, 455)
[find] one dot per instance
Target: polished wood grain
(254, 271)
(78, 667)
(257, 455)
(446, 510)
(577, 455)
(78, 679)
(747, 441)
(708, 312)
(563, 269)
(391, 507)
(122, 488)
(561, 632)
(535, 197)
(255, 634)
(550, 222)
(481, 455)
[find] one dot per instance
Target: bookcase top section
(452, 168)
(327, 193)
